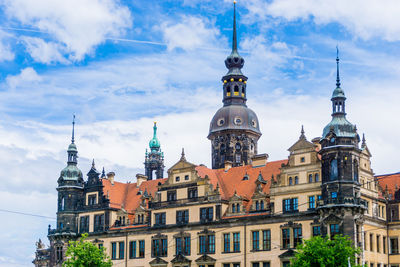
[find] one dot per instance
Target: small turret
(154, 160)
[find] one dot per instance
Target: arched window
(236, 90)
(233, 208)
(257, 206)
(296, 180)
(310, 178)
(334, 170)
(355, 170)
(237, 207)
(290, 181)
(261, 205)
(62, 203)
(316, 177)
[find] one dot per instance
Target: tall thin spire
(73, 130)
(337, 67)
(234, 39)
(302, 136)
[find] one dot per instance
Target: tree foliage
(84, 253)
(324, 252)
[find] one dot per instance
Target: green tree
(83, 253)
(324, 252)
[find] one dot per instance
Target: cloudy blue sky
(119, 65)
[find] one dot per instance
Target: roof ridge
(389, 174)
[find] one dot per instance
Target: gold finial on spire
(234, 1)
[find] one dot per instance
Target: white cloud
(79, 25)
(25, 77)
(364, 18)
(190, 33)
(6, 53)
(44, 52)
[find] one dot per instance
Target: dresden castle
(244, 211)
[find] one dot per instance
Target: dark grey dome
(234, 117)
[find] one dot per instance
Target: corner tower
(342, 208)
(70, 189)
(234, 129)
(154, 160)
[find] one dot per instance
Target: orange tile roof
(232, 180)
(391, 181)
(125, 195)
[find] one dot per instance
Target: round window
(220, 121)
(254, 123)
(237, 121)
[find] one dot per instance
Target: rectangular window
(316, 230)
(256, 240)
(186, 177)
(286, 238)
(227, 243)
(92, 199)
(266, 264)
(59, 254)
(178, 242)
(334, 229)
(255, 264)
(297, 236)
(160, 218)
(236, 242)
(113, 250)
(206, 214)
(311, 202)
(171, 195)
(132, 249)
(211, 244)
(371, 242)
(121, 251)
(394, 245)
(378, 247)
(84, 224)
(98, 222)
(290, 205)
(141, 248)
(182, 216)
(227, 265)
(186, 249)
(266, 239)
(192, 192)
(159, 248)
(202, 244)
(384, 244)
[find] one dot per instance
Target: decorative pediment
(158, 262)
(235, 198)
(159, 236)
(180, 259)
(302, 143)
(205, 259)
(260, 179)
(287, 254)
(205, 232)
(182, 164)
(291, 224)
(332, 218)
(258, 193)
(182, 234)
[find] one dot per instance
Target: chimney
(259, 160)
(140, 178)
(110, 177)
(228, 165)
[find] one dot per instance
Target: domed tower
(342, 208)
(70, 190)
(154, 160)
(234, 129)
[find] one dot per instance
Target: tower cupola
(154, 160)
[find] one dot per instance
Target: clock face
(238, 120)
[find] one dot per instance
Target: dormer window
(92, 200)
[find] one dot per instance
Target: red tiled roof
(390, 181)
(125, 195)
(232, 180)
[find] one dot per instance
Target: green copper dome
(71, 173)
(154, 144)
(72, 148)
(341, 127)
(338, 92)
